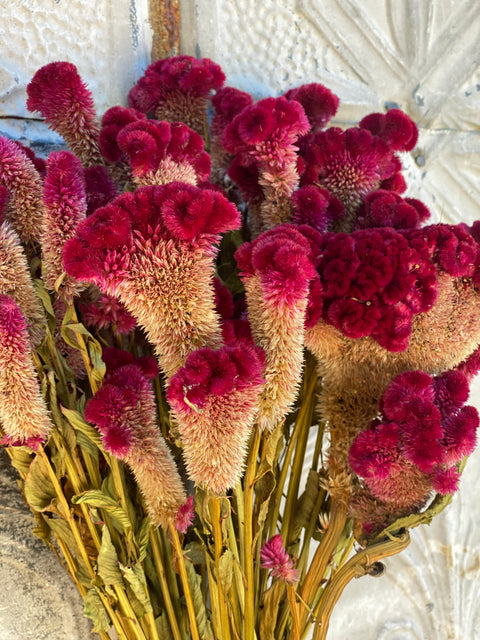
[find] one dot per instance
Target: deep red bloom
(113, 121)
(383, 208)
(319, 103)
(316, 207)
(394, 127)
(99, 187)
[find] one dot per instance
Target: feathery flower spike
(124, 411)
(65, 205)
(154, 250)
(23, 413)
(274, 557)
(215, 397)
(58, 93)
(21, 179)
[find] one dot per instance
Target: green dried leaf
(93, 608)
(274, 444)
(62, 530)
(203, 623)
(99, 500)
(107, 561)
(163, 627)
(225, 570)
(44, 296)
(137, 582)
(40, 493)
(306, 503)
(95, 353)
(195, 552)
(21, 458)
(78, 423)
(142, 538)
(269, 610)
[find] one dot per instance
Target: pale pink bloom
(274, 557)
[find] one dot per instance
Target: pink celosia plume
(215, 398)
(274, 557)
(58, 93)
(19, 176)
(154, 250)
(23, 414)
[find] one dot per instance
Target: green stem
(216, 519)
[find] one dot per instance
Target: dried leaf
(269, 610)
(98, 499)
(163, 627)
(93, 608)
(136, 580)
(40, 493)
(225, 570)
(107, 562)
(203, 623)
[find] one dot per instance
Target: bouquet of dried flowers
(194, 295)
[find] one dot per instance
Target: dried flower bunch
(199, 287)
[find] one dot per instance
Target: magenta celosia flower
(227, 103)
(58, 93)
(39, 163)
(350, 164)
(425, 432)
(162, 152)
(274, 557)
(108, 313)
(185, 515)
(319, 103)
(316, 207)
(394, 127)
(277, 269)
(113, 121)
(19, 176)
(215, 398)
(264, 134)
(4, 200)
(154, 250)
(65, 204)
(115, 358)
(177, 89)
(383, 208)
(23, 414)
(124, 412)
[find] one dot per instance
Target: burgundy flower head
(394, 127)
(319, 103)
(113, 121)
(228, 102)
(108, 313)
(316, 207)
(384, 208)
(99, 187)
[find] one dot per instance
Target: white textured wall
(108, 40)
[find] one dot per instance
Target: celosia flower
(316, 207)
(394, 127)
(15, 281)
(383, 208)
(99, 187)
(19, 176)
(265, 134)
(154, 250)
(215, 397)
(113, 121)
(177, 89)
(160, 152)
(416, 448)
(184, 518)
(4, 200)
(23, 413)
(350, 164)
(277, 269)
(108, 313)
(58, 93)
(319, 103)
(39, 163)
(227, 102)
(124, 411)
(65, 205)
(274, 557)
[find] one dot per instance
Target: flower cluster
(273, 556)
(423, 432)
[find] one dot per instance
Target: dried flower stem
(355, 567)
(292, 603)
(216, 521)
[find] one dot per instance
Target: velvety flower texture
(383, 208)
(65, 204)
(108, 313)
(19, 176)
(23, 414)
(215, 397)
(264, 134)
(316, 207)
(124, 412)
(177, 89)
(277, 270)
(274, 557)
(414, 447)
(154, 250)
(15, 281)
(319, 103)
(162, 152)
(58, 93)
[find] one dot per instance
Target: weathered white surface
(108, 40)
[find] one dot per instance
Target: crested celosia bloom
(264, 134)
(316, 207)
(227, 102)
(23, 414)
(15, 281)
(215, 397)
(162, 152)
(383, 208)
(177, 89)
(113, 121)
(274, 557)
(124, 412)
(99, 187)
(65, 205)
(277, 269)
(319, 103)
(58, 93)
(154, 250)
(414, 447)
(19, 176)
(355, 162)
